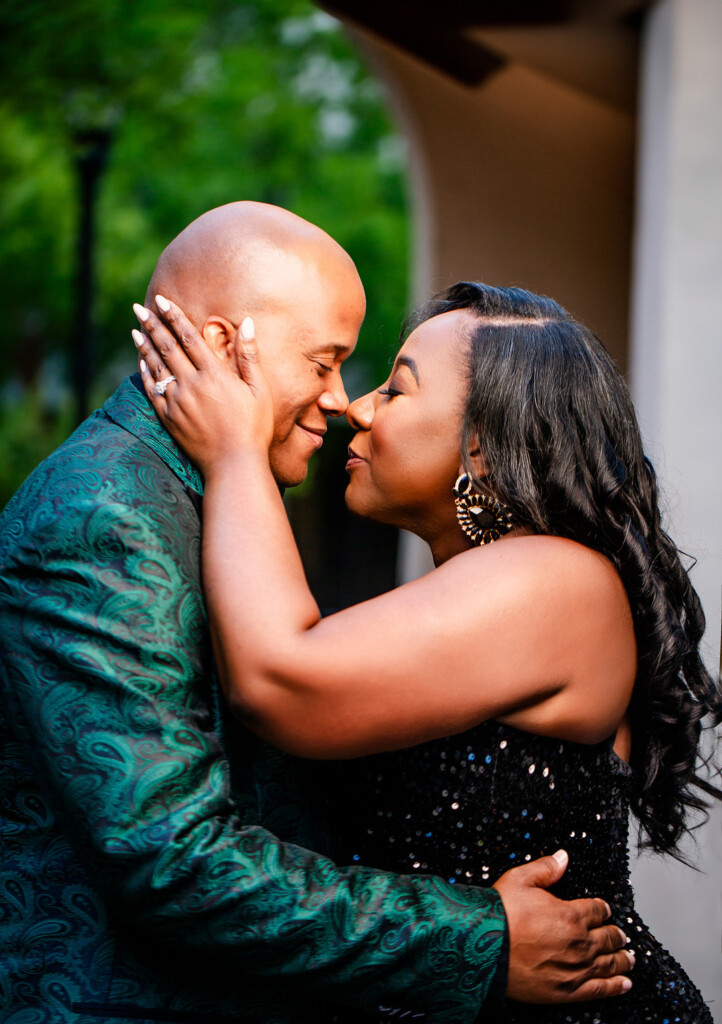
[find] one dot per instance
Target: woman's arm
(526, 630)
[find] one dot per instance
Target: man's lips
(315, 435)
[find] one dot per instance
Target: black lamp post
(92, 148)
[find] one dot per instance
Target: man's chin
(290, 476)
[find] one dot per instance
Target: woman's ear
(219, 335)
(477, 463)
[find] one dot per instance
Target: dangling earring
(482, 518)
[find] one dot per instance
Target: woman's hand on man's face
(211, 412)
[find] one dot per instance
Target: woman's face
(405, 457)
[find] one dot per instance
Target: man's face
(303, 339)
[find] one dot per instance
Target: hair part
(553, 420)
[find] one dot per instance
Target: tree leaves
(208, 102)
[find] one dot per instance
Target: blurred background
(573, 147)
(121, 123)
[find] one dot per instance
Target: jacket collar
(131, 410)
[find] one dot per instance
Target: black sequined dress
(471, 806)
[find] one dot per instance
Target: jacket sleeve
(105, 670)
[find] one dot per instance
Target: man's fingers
(605, 976)
(611, 964)
(593, 912)
(607, 939)
(541, 873)
(601, 988)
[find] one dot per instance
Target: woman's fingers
(161, 351)
(148, 352)
(163, 340)
(251, 374)
(184, 332)
(247, 355)
(149, 382)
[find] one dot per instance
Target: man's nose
(334, 400)
(360, 412)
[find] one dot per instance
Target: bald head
(243, 257)
(306, 300)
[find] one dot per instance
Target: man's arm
(104, 634)
(104, 637)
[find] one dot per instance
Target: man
(138, 880)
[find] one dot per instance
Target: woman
(519, 697)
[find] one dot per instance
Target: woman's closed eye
(390, 391)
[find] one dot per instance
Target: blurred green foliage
(208, 102)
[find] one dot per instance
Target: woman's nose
(360, 412)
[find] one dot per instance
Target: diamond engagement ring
(161, 385)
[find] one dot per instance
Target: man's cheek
(284, 432)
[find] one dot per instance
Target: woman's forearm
(410, 665)
(256, 590)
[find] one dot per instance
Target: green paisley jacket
(139, 878)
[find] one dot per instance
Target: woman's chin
(358, 503)
(362, 505)
(354, 503)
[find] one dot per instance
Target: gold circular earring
(482, 518)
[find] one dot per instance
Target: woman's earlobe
(477, 463)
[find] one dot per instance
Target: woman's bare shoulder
(557, 563)
(575, 605)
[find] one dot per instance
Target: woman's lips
(354, 459)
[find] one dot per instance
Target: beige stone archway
(522, 164)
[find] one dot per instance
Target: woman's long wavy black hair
(554, 422)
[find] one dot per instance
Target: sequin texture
(470, 807)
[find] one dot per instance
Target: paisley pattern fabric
(137, 879)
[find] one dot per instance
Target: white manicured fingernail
(626, 985)
(248, 328)
(143, 366)
(138, 338)
(162, 304)
(561, 856)
(141, 312)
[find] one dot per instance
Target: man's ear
(219, 335)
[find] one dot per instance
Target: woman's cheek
(384, 438)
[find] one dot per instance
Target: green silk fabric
(138, 878)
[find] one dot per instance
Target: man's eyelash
(323, 366)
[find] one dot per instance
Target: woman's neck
(445, 547)
(454, 542)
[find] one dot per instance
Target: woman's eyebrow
(408, 361)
